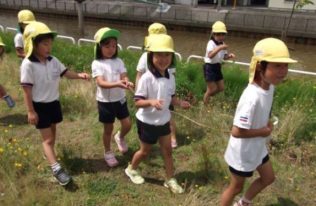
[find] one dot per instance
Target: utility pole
(219, 4)
(80, 16)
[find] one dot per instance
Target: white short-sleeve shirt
(143, 67)
(154, 86)
(18, 40)
(253, 111)
(218, 58)
(42, 77)
(110, 70)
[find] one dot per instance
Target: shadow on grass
(284, 202)
(71, 186)
(193, 135)
(200, 177)
(15, 119)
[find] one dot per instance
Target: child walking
(111, 78)
(40, 76)
(24, 17)
(246, 150)
(155, 92)
(3, 94)
(154, 29)
(216, 51)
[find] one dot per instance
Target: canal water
(186, 42)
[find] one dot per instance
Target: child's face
(162, 60)
(219, 36)
(43, 48)
(109, 49)
(275, 73)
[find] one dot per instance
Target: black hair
(261, 68)
(42, 37)
(151, 65)
(102, 43)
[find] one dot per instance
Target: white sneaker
(135, 177)
(173, 185)
(121, 144)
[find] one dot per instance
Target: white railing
(134, 47)
(7, 29)
(84, 40)
(193, 57)
(68, 38)
(1, 28)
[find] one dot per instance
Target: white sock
(55, 167)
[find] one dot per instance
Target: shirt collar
(33, 58)
(157, 74)
(216, 42)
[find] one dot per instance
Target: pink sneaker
(174, 143)
(121, 144)
(110, 159)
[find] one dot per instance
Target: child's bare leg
(49, 136)
(173, 130)
(210, 91)
(166, 151)
(266, 178)
(234, 188)
(141, 154)
(2, 91)
(107, 135)
(125, 126)
(220, 86)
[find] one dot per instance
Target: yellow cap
(25, 16)
(1, 42)
(160, 43)
(104, 33)
(269, 50)
(32, 30)
(155, 28)
(219, 27)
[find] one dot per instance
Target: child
(154, 29)
(40, 76)
(155, 92)
(3, 93)
(24, 18)
(216, 51)
(246, 150)
(111, 79)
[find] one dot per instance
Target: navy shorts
(150, 134)
(171, 107)
(212, 72)
(247, 174)
(48, 113)
(109, 110)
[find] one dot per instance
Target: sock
(55, 167)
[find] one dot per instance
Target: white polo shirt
(42, 77)
(110, 70)
(253, 111)
(143, 67)
(218, 58)
(18, 40)
(152, 85)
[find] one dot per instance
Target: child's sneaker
(62, 177)
(173, 185)
(121, 144)
(110, 159)
(135, 177)
(242, 202)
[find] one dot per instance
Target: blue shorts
(48, 113)
(247, 174)
(150, 134)
(108, 111)
(212, 72)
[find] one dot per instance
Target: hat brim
(162, 50)
(280, 60)
(110, 33)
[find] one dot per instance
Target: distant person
(111, 78)
(40, 76)
(154, 29)
(3, 94)
(216, 52)
(24, 18)
(155, 92)
(247, 151)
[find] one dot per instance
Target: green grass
(25, 176)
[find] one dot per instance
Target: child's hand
(231, 56)
(122, 84)
(185, 104)
(84, 76)
(32, 117)
(157, 103)
(224, 46)
(267, 130)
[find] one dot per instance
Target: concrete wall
(289, 4)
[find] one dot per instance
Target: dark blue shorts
(247, 174)
(150, 134)
(108, 111)
(48, 113)
(212, 72)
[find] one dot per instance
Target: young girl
(246, 150)
(40, 76)
(154, 29)
(24, 18)
(216, 51)
(111, 79)
(3, 93)
(155, 92)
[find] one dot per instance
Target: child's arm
(129, 84)
(212, 53)
(142, 103)
(178, 102)
(74, 75)
(101, 82)
(249, 133)
(229, 56)
(31, 114)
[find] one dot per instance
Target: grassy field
(26, 179)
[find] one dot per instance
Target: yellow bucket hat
(104, 33)
(1, 42)
(25, 16)
(155, 28)
(32, 30)
(219, 27)
(269, 50)
(160, 43)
